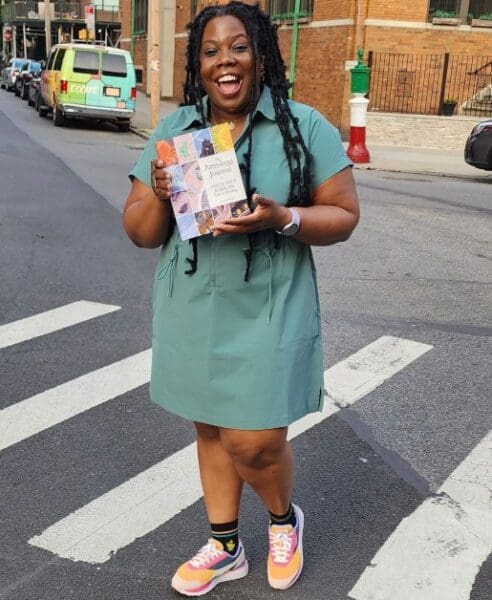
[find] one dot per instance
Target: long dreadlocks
(265, 48)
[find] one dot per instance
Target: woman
(237, 333)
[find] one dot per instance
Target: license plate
(111, 91)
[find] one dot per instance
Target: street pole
(155, 92)
(47, 26)
(24, 40)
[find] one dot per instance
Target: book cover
(207, 187)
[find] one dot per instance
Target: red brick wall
(391, 39)
(397, 10)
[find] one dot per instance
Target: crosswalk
(443, 542)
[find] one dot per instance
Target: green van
(94, 82)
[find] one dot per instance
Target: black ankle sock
(227, 534)
(288, 518)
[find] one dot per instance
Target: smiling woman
(236, 329)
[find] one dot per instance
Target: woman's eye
(210, 52)
(240, 48)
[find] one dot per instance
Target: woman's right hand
(161, 180)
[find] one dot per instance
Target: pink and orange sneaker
(210, 566)
(285, 558)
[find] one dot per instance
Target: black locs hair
(266, 52)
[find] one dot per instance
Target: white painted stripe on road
(28, 417)
(51, 321)
(437, 551)
(359, 374)
(135, 508)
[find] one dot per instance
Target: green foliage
(486, 17)
(445, 14)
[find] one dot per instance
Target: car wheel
(29, 101)
(41, 111)
(17, 91)
(24, 92)
(124, 126)
(58, 117)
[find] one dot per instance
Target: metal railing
(431, 84)
(60, 11)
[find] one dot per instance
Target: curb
(143, 133)
(477, 178)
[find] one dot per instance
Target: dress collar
(264, 106)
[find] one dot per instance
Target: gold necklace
(230, 124)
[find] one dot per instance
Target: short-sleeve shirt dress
(234, 353)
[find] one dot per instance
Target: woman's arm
(146, 215)
(331, 218)
(334, 212)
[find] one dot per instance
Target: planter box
(447, 109)
(446, 21)
(481, 23)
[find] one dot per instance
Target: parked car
(10, 72)
(24, 77)
(478, 147)
(33, 88)
(94, 82)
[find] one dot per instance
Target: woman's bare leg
(221, 483)
(264, 460)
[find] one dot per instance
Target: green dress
(231, 353)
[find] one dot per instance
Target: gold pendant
(231, 124)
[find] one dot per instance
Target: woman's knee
(207, 432)
(256, 449)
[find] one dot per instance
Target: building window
(443, 8)
(284, 9)
(140, 16)
(480, 9)
(452, 8)
(110, 5)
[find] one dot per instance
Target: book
(207, 186)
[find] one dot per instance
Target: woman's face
(226, 65)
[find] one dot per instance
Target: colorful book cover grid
(207, 186)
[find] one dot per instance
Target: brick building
(415, 38)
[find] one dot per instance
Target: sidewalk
(430, 161)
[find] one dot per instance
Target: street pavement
(100, 497)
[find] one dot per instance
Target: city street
(99, 493)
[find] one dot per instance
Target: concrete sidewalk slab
(447, 163)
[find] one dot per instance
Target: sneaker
(285, 558)
(210, 565)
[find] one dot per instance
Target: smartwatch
(293, 227)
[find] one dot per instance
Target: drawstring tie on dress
(169, 268)
(269, 254)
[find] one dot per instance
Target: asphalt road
(418, 267)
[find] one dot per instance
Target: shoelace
(281, 545)
(204, 555)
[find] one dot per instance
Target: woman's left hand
(268, 214)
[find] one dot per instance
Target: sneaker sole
(237, 573)
(285, 586)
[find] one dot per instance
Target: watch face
(290, 229)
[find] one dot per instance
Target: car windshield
(17, 63)
(34, 66)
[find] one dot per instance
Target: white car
(9, 74)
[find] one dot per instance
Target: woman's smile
(227, 70)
